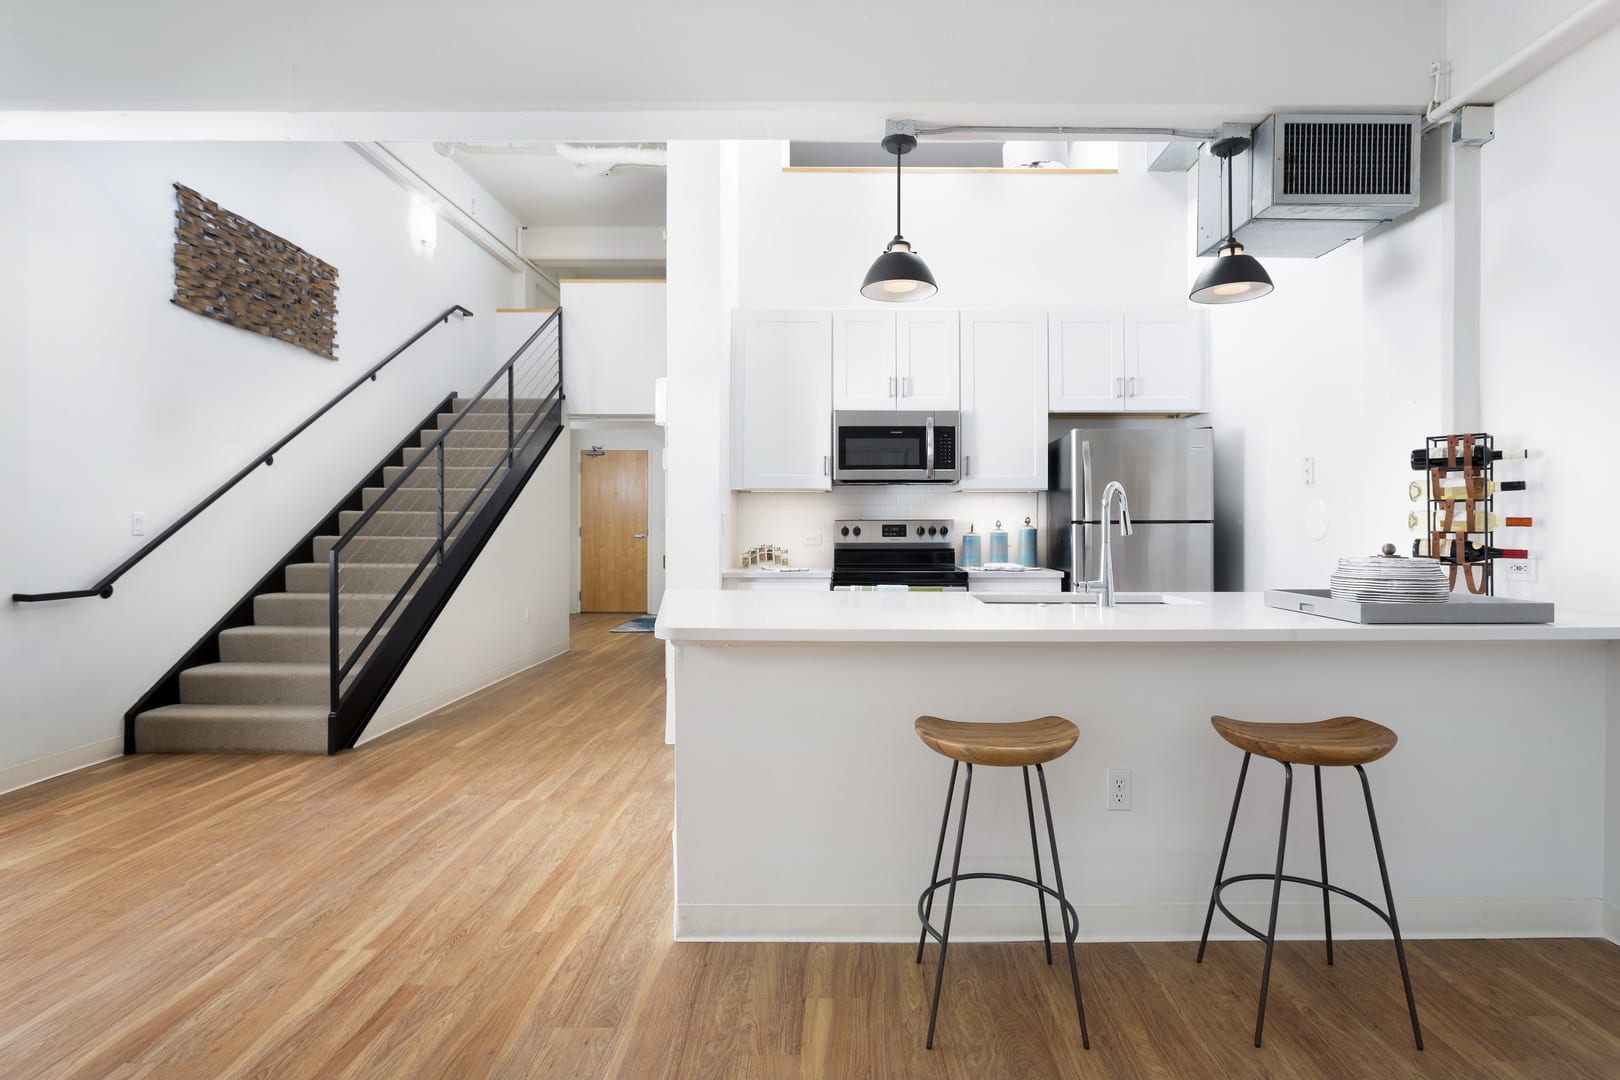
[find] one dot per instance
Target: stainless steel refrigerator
(1169, 479)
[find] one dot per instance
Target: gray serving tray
(1461, 608)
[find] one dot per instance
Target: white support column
(1460, 289)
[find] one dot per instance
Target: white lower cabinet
(1024, 581)
(1002, 443)
(781, 400)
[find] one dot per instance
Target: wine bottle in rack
(1471, 552)
(1481, 489)
(1481, 522)
(1421, 459)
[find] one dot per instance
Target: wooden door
(613, 531)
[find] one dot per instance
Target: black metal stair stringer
(396, 646)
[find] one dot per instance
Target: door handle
(826, 465)
(891, 386)
(905, 386)
(1130, 386)
(930, 429)
(639, 536)
(1119, 386)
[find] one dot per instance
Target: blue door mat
(641, 624)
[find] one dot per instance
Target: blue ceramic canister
(1024, 549)
(971, 555)
(998, 544)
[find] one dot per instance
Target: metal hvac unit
(1313, 183)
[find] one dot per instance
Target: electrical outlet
(1119, 789)
(812, 540)
(1310, 472)
(1519, 569)
(137, 524)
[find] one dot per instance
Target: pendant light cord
(1231, 222)
(897, 231)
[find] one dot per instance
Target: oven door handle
(930, 429)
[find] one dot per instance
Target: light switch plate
(137, 524)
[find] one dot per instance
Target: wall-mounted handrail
(104, 587)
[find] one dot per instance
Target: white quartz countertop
(1032, 571)
(729, 616)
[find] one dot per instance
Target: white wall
(509, 613)
(615, 346)
(121, 402)
(1547, 366)
(622, 435)
(703, 284)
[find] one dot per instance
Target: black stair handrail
(104, 587)
(549, 405)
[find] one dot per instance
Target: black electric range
(897, 554)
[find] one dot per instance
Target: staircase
(302, 662)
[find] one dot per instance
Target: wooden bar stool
(1032, 742)
(1343, 740)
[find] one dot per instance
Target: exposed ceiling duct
(602, 160)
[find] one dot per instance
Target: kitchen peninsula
(806, 808)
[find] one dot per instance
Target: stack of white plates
(1385, 580)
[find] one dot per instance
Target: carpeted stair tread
(226, 729)
(273, 644)
(353, 577)
(282, 683)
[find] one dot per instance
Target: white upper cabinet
(896, 360)
(1004, 400)
(781, 400)
(1164, 362)
(1127, 362)
(928, 360)
(1087, 361)
(863, 360)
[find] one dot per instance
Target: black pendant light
(899, 274)
(1233, 277)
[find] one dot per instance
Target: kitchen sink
(1072, 598)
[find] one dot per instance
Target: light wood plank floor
(487, 893)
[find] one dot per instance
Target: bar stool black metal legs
(1020, 745)
(1341, 741)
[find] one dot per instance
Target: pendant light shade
(899, 274)
(1233, 277)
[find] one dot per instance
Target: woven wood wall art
(227, 268)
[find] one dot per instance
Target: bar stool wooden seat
(1017, 745)
(1340, 741)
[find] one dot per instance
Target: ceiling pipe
(1091, 132)
(1539, 55)
(602, 160)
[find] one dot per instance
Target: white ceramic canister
(972, 555)
(1024, 548)
(998, 544)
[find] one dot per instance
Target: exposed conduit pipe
(1534, 58)
(1101, 132)
(602, 160)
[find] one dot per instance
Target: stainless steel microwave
(895, 447)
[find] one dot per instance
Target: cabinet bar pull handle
(826, 465)
(1130, 385)
(891, 386)
(1119, 386)
(905, 386)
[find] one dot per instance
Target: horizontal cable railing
(104, 587)
(404, 531)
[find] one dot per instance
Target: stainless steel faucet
(1106, 581)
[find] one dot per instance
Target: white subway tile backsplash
(787, 518)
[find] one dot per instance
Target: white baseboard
(1611, 922)
(1142, 922)
(66, 761)
(401, 715)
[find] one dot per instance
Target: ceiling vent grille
(1347, 159)
(1314, 182)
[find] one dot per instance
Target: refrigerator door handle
(1085, 480)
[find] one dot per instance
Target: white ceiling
(542, 189)
(637, 69)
